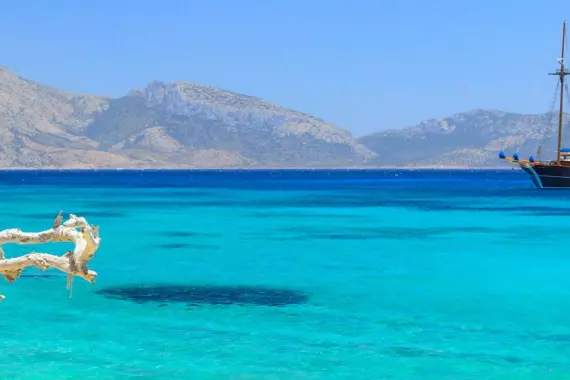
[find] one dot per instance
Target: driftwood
(74, 230)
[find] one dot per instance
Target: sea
(292, 274)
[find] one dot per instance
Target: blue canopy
(565, 150)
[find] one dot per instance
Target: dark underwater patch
(265, 215)
(552, 212)
(366, 233)
(41, 275)
(165, 205)
(412, 352)
(185, 245)
(529, 210)
(432, 205)
(556, 338)
(538, 233)
(334, 201)
(188, 234)
(198, 295)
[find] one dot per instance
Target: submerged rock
(206, 295)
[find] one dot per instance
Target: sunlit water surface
(294, 275)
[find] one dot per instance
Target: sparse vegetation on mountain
(173, 125)
(469, 139)
(187, 125)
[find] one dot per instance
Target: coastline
(260, 168)
(379, 168)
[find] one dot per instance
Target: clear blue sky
(363, 65)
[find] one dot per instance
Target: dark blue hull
(548, 176)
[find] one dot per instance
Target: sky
(363, 65)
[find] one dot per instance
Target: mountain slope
(163, 125)
(37, 120)
(470, 139)
(187, 125)
(177, 120)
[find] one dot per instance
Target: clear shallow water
(294, 275)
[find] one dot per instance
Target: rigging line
(521, 145)
(538, 148)
(567, 92)
(564, 90)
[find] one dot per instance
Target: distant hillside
(163, 125)
(42, 127)
(187, 125)
(471, 139)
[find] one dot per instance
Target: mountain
(188, 125)
(174, 125)
(41, 126)
(468, 139)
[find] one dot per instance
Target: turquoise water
(294, 275)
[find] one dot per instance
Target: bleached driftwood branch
(75, 230)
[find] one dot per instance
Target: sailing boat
(553, 173)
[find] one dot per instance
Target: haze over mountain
(188, 125)
(162, 125)
(467, 139)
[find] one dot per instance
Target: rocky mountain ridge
(467, 139)
(189, 125)
(174, 125)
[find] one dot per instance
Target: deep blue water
(293, 275)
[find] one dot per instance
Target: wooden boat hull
(545, 174)
(548, 176)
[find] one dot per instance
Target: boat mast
(561, 73)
